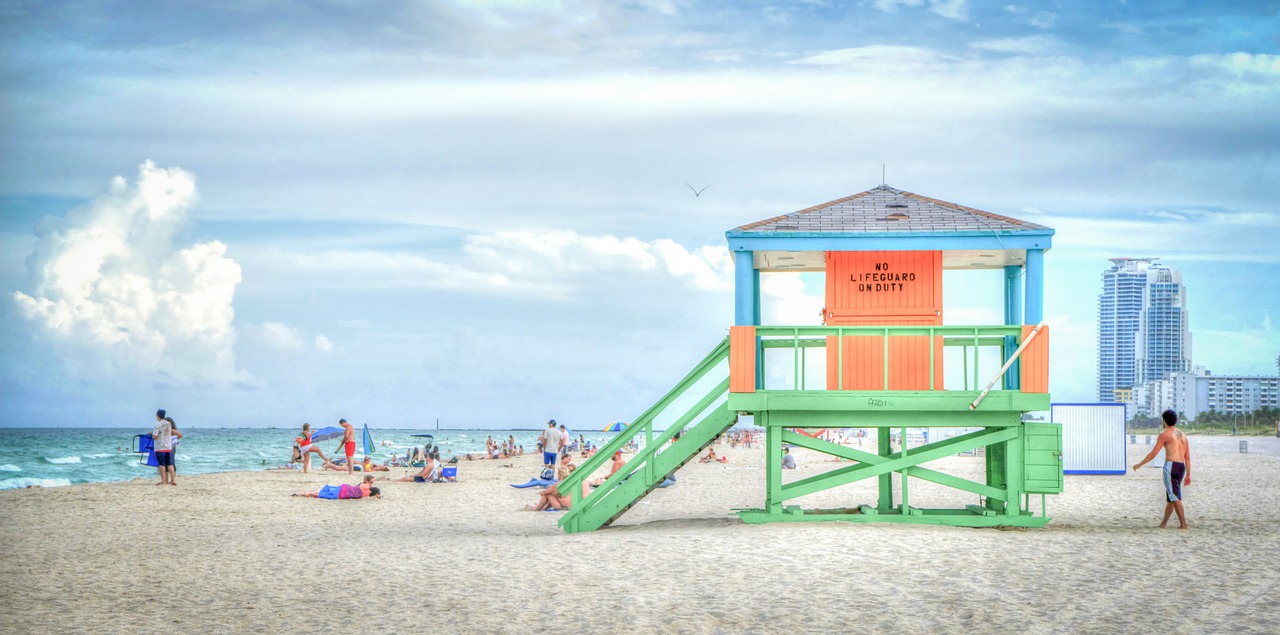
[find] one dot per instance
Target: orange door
(884, 288)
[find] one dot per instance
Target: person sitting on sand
(613, 469)
(365, 489)
(551, 498)
(427, 475)
(368, 466)
(710, 456)
(788, 459)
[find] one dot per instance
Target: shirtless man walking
(1177, 466)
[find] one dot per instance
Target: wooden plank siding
(742, 359)
(884, 288)
(1034, 375)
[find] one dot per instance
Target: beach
(234, 552)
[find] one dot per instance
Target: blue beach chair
(144, 444)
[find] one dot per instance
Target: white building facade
(1197, 392)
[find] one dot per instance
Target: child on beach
(1177, 466)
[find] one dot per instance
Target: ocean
(52, 457)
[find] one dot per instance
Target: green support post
(773, 467)
(886, 480)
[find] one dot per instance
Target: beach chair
(449, 474)
(144, 444)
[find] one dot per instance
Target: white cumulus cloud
(281, 336)
(114, 292)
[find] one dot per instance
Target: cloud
(548, 261)
(112, 290)
(323, 345)
(877, 56)
(1044, 19)
(281, 336)
(1185, 234)
(891, 6)
(1030, 45)
(784, 300)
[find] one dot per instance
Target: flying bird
(697, 192)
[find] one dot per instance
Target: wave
(63, 460)
(105, 455)
(9, 467)
(18, 483)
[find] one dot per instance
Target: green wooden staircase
(660, 455)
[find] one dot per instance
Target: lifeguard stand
(883, 252)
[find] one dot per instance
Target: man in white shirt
(551, 441)
(162, 443)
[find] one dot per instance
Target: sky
(483, 213)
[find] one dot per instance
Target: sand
(234, 552)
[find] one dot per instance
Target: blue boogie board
(535, 482)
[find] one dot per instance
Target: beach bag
(547, 474)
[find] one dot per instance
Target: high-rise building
(1143, 331)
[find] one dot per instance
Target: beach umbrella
(615, 427)
(368, 440)
(324, 434)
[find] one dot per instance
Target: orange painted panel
(884, 288)
(878, 284)
(1035, 361)
(742, 359)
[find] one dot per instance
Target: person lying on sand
(333, 492)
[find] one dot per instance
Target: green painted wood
(943, 517)
(1042, 452)
(609, 501)
(922, 473)
(885, 405)
(885, 448)
(773, 469)
(895, 462)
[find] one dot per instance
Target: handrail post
(885, 366)
(1007, 364)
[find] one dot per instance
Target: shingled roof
(886, 209)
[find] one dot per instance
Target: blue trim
(744, 288)
(887, 241)
(1012, 316)
(1034, 298)
(1105, 472)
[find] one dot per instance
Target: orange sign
(884, 288)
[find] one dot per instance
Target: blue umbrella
(324, 434)
(616, 427)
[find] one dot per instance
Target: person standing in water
(1177, 466)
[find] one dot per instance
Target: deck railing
(752, 346)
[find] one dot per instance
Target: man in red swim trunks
(348, 446)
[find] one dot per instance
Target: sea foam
(9, 467)
(63, 460)
(18, 483)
